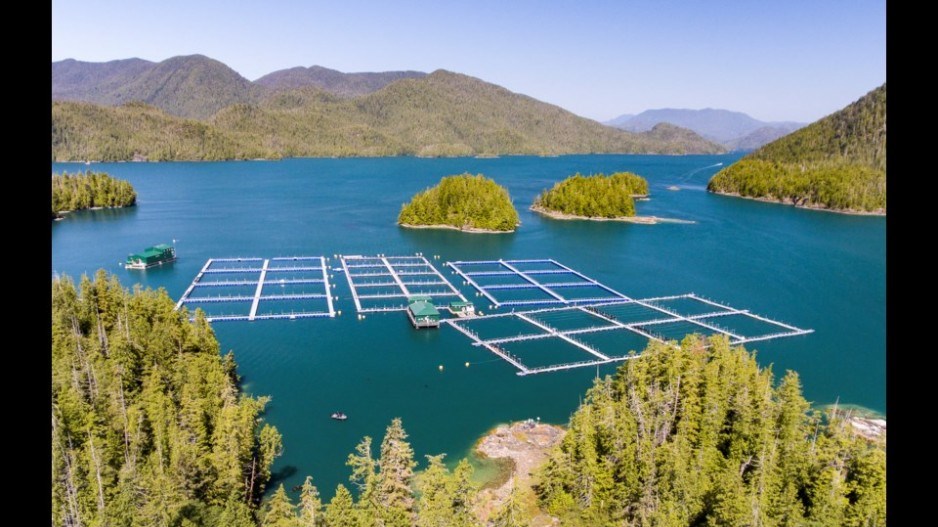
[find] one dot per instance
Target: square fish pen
(385, 283)
(531, 283)
(576, 336)
(290, 287)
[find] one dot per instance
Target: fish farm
(250, 289)
(560, 319)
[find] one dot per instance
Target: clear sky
(773, 59)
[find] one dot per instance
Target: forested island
(593, 197)
(149, 427)
(837, 163)
(466, 202)
(89, 190)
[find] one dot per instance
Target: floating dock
(381, 284)
(287, 287)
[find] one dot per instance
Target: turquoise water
(811, 269)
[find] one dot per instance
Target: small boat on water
(339, 416)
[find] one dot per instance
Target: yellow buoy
(467, 364)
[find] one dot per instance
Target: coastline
(470, 230)
(790, 202)
(60, 215)
(641, 220)
(523, 446)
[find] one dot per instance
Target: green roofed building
(151, 256)
(422, 313)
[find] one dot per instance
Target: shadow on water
(280, 476)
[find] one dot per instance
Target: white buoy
(339, 312)
(441, 367)
(467, 364)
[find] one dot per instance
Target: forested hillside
(194, 108)
(837, 163)
(149, 426)
(697, 436)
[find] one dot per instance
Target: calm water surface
(811, 269)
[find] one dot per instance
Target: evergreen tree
(310, 505)
(393, 491)
(279, 511)
(510, 514)
(341, 511)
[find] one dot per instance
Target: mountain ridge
(438, 114)
(732, 129)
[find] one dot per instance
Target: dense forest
(693, 435)
(597, 196)
(149, 427)
(91, 189)
(440, 114)
(465, 202)
(838, 162)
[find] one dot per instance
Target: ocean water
(811, 269)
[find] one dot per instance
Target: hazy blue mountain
(723, 126)
(333, 81)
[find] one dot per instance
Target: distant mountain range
(836, 163)
(734, 130)
(194, 107)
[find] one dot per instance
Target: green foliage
(91, 189)
(829, 185)
(279, 511)
(136, 131)
(464, 201)
(693, 435)
(596, 196)
(838, 162)
(441, 114)
(148, 424)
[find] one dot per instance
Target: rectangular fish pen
(289, 287)
(385, 283)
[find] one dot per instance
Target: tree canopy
(464, 201)
(149, 426)
(698, 435)
(90, 189)
(596, 196)
(838, 162)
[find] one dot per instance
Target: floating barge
(151, 257)
(462, 309)
(422, 313)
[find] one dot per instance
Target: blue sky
(775, 60)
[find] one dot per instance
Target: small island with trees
(89, 190)
(466, 202)
(595, 197)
